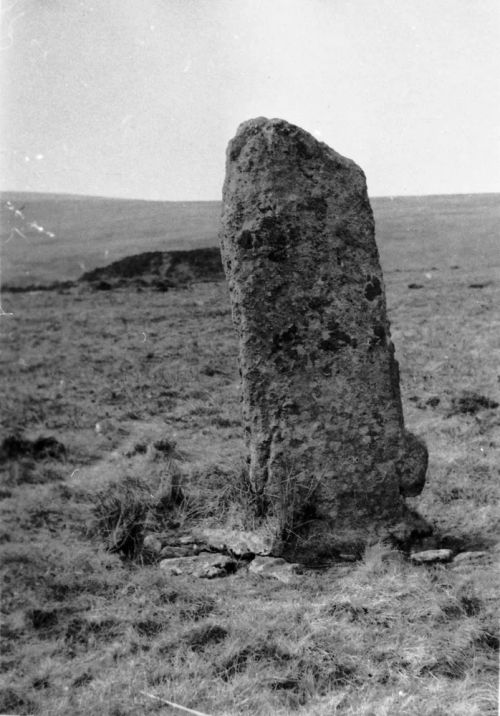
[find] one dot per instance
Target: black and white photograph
(249, 357)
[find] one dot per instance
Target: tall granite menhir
(330, 460)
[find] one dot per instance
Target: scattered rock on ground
(238, 543)
(274, 567)
(430, 556)
(206, 565)
(169, 551)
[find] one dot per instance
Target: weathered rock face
(329, 456)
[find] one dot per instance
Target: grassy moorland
(412, 232)
(92, 231)
(142, 390)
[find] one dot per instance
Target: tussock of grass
(225, 496)
(120, 513)
(126, 509)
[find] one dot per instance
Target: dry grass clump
(120, 514)
(224, 495)
(125, 510)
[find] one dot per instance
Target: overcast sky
(138, 98)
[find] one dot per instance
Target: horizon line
(70, 195)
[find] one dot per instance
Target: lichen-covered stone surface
(330, 460)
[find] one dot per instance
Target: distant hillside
(50, 237)
(60, 237)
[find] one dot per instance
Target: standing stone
(330, 460)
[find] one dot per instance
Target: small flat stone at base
(472, 558)
(173, 551)
(275, 568)
(431, 555)
(235, 542)
(205, 565)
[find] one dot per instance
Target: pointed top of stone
(275, 133)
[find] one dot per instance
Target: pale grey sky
(138, 98)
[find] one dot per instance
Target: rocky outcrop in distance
(159, 269)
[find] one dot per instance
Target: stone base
(322, 542)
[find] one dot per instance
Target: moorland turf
(87, 630)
